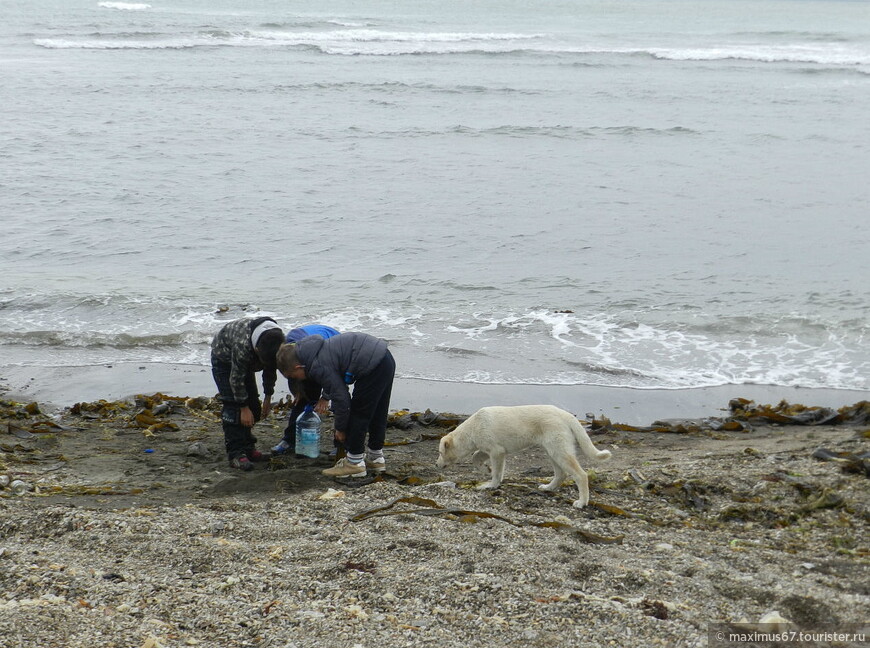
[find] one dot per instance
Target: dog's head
(448, 452)
(445, 452)
(454, 447)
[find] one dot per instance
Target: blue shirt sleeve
(300, 332)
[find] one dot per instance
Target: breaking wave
(369, 42)
(637, 347)
(125, 6)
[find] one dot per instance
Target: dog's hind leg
(496, 465)
(558, 478)
(569, 464)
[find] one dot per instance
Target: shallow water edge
(64, 386)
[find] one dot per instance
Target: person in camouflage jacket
(238, 351)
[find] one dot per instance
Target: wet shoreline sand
(64, 386)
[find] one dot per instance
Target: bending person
(239, 350)
(304, 392)
(336, 363)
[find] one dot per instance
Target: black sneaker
(242, 463)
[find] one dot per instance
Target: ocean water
(632, 193)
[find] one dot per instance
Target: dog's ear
(447, 443)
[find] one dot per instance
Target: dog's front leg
(496, 464)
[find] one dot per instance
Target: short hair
(268, 345)
(287, 358)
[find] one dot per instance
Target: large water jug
(308, 433)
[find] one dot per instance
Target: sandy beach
(135, 532)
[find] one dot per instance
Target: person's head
(289, 364)
(267, 346)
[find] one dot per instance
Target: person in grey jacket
(239, 350)
(304, 392)
(357, 359)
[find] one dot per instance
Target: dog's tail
(585, 443)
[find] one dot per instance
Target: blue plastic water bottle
(308, 433)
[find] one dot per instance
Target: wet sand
(63, 386)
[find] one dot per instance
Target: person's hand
(322, 406)
(267, 406)
(246, 417)
(340, 436)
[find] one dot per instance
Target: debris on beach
(744, 414)
(682, 530)
(849, 462)
(797, 414)
(429, 507)
(405, 419)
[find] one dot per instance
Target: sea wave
(342, 41)
(374, 42)
(643, 351)
(101, 340)
(125, 6)
(379, 36)
(362, 41)
(638, 346)
(822, 54)
(517, 131)
(305, 23)
(58, 43)
(562, 132)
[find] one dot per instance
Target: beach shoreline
(139, 533)
(64, 386)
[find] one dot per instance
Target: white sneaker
(346, 468)
(378, 464)
(281, 448)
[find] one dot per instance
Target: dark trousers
(238, 439)
(369, 407)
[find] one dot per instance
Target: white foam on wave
(54, 43)
(375, 42)
(383, 322)
(345, 23)
(384, 43)
(352, 39)
(636, 349)
(615, 351)
(125, 6)
(819, 53)
(379, 36)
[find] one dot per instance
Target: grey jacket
(328, 362)
(232, 346)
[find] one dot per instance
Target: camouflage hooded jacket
(232, 346)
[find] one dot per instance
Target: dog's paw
(486, 486)
(547, 487)
(580, 503)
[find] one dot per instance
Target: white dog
(493, 432)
